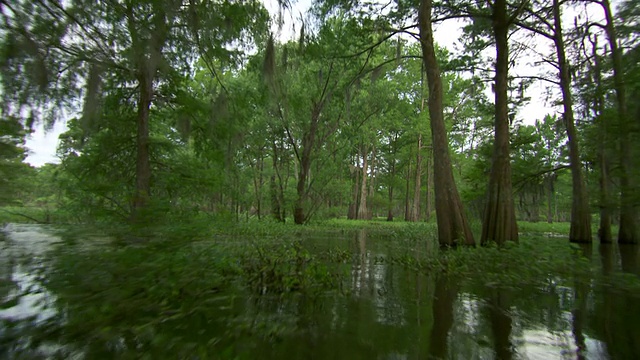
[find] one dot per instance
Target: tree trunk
(143, 167)
(362, 208)
(580, 214)
(604, 231)
(393, 177)
(407, 208)
(148, 56)
(428, 204)
(549, 180)
(453, 228)
(372, 185)
(355, 193)
(415, 211)
(308, 142)
(499, 223)
(390, 210)
(628, 231)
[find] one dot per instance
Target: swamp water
(383, 310)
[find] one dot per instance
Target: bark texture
(453, 227)
(580, 214)
(148, 56)
(499, 223)
(628, 231)
(604, 230)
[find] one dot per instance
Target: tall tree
(499, 223)
(580, 214)
(628, 230)
(453, 227)
(552, 30)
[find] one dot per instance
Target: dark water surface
(385, 311)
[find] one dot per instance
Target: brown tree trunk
(453, 228)
(148, 56)
(499, 223)
(429, 191)
(143, 167)
(628, 230)
(308, 142)
(580, 214)
(604, 231)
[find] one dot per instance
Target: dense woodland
(177, 109)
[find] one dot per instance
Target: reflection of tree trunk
(453, 227)
(578, 319)
(606, 257)
(499, 223)
(359, 272)
(629, 258)
(500, 324)
(444, 297)
(580, 215)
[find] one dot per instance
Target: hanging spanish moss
(302, 38)
(269, 65)
(91, 108)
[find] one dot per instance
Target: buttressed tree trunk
(499, 223)
(453, 227)
(580, 214)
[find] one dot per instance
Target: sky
(42, 144)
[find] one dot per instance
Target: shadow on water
(387, 311)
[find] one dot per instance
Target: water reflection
(629, 258)
(500, 318)
(25, 303)
(443, 300)
(390, 313)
